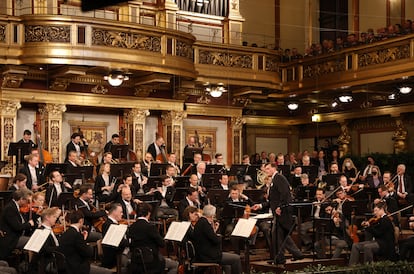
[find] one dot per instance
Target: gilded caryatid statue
(399, 137)
(344, 141)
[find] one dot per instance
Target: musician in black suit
(56, 188)
(12, 223)
(114, 141)
(191, 199)
(279, 200)
(19, 181)
(208, 244)
(404, 187)
(384, 243)
(128, 204)
(156, 147)
(73, 245)
(105, 184)
(27, 138)
(110, 253)
(146, 236)
(90, 213)
(139, 181)
(76, 145)
(45, 255)
(165, 194)
(34, 174)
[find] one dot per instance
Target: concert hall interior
(298, 117)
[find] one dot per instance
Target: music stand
(217, 196)
(284, 169)
(305, 193)
(239, 171)
(256, 195)
(180, 193)
(158, 169)
(61, 167)
(154, 182)
(82, 172)
(312, 172)
(356, 208)
(210, 180)
(119, 170)
(190, 151)
(119, 151)
(213, 168)
(322, 227)
(332, 180)
(19, 150)
(182, 181)
(233, 210)
(66, 199)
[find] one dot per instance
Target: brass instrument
(114, 161)
(261, 179)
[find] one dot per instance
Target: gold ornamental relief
(323, 68)
(52, 110)
(2, 33)
(47, 33)
(10, 108)
(237, 123)
(184, 49)
(384, 56)
(225, 59)
(120, 39)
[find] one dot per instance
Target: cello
(131, 156)
(44, 155)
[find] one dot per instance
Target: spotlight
(345, 98)
(116, 79)
(316, 118)
(392, 96)
(405, 89)
(215, 91)
(334, 104)
(293, 106)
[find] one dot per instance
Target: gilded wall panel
(121, 39)
(47, 33)
(225, 59)
(272, 63)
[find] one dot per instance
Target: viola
(58, 229)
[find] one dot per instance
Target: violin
(246, 215)
(33, 208)
(58, 229)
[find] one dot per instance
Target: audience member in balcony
(370, 36)
(255, 159)
(392, 31)
(363, 40)
(272, 158)
(286, 56)
(351, 41)
(308, 52)
(412, 27)
(339, 43)
(325, 46)
(406, 27)
(295, 54)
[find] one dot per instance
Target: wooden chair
(198, 267)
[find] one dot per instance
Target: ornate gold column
(237, 126)
(40, 6)
(167, 14)
(400, 136)
(135, 122)
(173, 125)
(8, 129)
(344, 140)
(51, 115)
(233, 27)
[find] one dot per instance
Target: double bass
(131, 156)
(44, 155)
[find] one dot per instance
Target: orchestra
(284, 187)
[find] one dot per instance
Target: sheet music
(114, 235)
(177, 231)
(37, 240)
(244, 227)
(263, 216)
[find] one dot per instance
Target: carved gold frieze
(10, 107)
(383, 56)
(99, 89)
(59, 84)
(323, 68)
(225, 59)
(143, 91)
(123, 39)
(12, 80)
(2, 33)
(184, 49)
(47, 33)
(272, 63)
